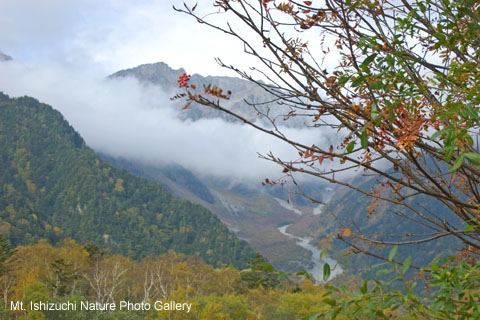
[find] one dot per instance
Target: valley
(239, 160)
(251, 211)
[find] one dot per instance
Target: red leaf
(330, 151)
(320, 159)
(453, 178)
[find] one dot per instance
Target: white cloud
(123, 118)
(100, 37)
(69, 46)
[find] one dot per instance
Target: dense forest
(54, 187)
(69, 277)
(72, 273)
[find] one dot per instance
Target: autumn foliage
(72, 273)
(398, 81)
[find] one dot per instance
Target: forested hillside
(66, 274)
(53, 186)
(349, 211)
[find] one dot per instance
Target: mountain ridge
(162, 75)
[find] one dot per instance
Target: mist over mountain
(252, 211)
(125, 118)
(161, 75)
(197, 154)
(54, 187)
(136, 123)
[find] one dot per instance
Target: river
(315, 267)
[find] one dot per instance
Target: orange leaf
(320, 159)
(347, 232)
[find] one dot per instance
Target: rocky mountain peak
(158, 73)
(4, 57)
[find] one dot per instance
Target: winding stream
(315, 267)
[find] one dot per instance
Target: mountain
(348, 209)
(52, 186)
(251, 212)
(254, 212)
(161, 75)
(4, 57)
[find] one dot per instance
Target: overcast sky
(64, 49)
(105, 36)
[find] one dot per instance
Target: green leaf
(384, 271)
(422, 7)
(392, 253)
(390, 60)
(458, 163)
(333, 314)
(368, 60)
(331, 302)
(469, 140)
(450, 137)
(343, 80)
(330, 288)
(314, 317)
(472, 157)
(439, 134)
(364, 139)
(473, 112)
(326, 272)
(471, 93)
(363, 289)
(265, 266)
(376, 85)
(449, 153)
(302, 273)
(406, 265)
(469, 228)
(391, 116)
(378, 265)
(350, 146)
(357, 81)
(440, 36)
